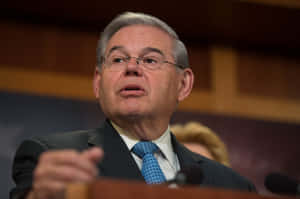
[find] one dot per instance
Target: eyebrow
(144, 51)
(150, 49)
(114, 48)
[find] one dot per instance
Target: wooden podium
(117, 189)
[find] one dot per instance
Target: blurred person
(142, 74)
(202, 140)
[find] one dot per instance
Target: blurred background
(245, 55)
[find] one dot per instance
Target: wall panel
(59, 61)
(268, 75)
(48, 48)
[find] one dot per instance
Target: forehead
(136, 38)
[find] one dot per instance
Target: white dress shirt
(166, 157)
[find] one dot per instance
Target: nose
(134, 67)
(133, 60)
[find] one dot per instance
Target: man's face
(134, 90)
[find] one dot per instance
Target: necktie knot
(144, 147)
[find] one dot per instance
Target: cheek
(166, 90)
(109, 80)
(106, 88)
(170, 86)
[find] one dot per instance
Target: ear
(96, 81)
(186, 84)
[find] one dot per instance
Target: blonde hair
(194, 132)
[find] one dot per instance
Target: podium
(119, 189)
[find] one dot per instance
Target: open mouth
(132, 90)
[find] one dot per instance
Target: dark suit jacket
(117, 161)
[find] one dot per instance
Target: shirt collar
(163, 142)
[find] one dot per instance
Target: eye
(150, 60)
(116, 60)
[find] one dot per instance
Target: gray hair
(130, 18)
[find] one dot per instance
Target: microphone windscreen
(281, 184)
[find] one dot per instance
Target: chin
(132, 108)
(132, 112)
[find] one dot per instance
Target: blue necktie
(150, 168)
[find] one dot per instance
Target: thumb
(94, 154)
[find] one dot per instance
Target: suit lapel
(117, 161)
(188, 159)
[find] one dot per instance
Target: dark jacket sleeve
(28, 153)
(220, 176)
(24, 163)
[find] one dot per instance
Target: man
(142, 75)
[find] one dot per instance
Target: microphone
(188, 176)
(281, 184)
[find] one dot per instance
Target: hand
(56, 169)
